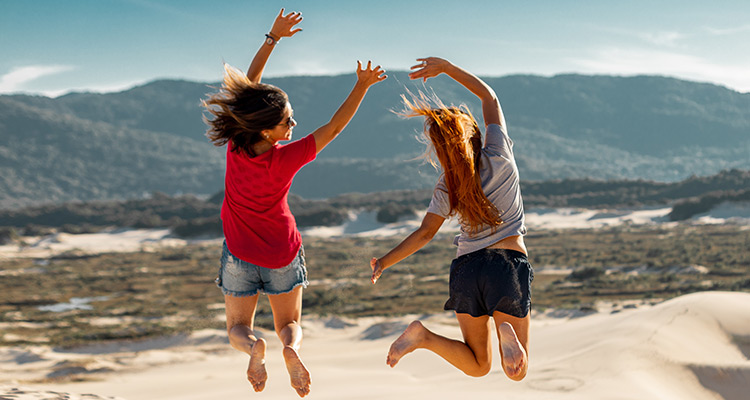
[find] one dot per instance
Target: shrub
(586, 273)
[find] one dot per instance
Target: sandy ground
(692, 347)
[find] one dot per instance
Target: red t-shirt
(258, 226)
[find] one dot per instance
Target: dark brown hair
(454, 137)
(242, 110)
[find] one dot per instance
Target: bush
(587, 273)
(210, 226)
(391, 212)
(7, 235)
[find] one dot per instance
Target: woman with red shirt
(262, 251)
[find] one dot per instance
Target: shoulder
(497, 140)
(302, 149)
(302, 144)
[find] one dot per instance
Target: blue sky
(53, 47)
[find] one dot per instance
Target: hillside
(151, 138)
(189, 216)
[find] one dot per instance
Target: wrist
(271, 39)
(274, 36)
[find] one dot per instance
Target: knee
(240, 330)
(482, 368)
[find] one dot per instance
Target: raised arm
(433, 66)
(366, 77)
(431, 224)
(282, 27)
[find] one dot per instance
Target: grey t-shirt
(499, 176)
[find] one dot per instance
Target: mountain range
(88, 146)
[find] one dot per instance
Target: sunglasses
(290, 122)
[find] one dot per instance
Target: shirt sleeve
(440, 203)
(298, 153)
(498, 142)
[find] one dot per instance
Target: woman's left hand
(284, 24)
(429, 67)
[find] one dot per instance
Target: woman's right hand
(377, 269)
(369, 76)
(429, 67)
(284, 24)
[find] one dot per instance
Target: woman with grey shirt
(490, 276)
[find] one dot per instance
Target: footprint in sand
(555, 384)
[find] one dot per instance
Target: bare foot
(298, 374)
(256, 370)
(514, 356)
(406, 343)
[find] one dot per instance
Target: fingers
(377, 269)
(292, 15)
(369, 66)
(295, 17)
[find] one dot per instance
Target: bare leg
(513, 333)
(287, 316)
(473, 356)
(240, 324)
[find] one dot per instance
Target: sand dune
(692, 347)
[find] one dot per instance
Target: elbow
(490, 97)
(334, 130)
(425, 234)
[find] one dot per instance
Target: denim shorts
(490, 280)
(240, 278)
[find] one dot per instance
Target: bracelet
(270, 40)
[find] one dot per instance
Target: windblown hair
(453, 136)
(242, 110)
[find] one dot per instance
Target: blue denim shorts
(240, 278)
(490, 280)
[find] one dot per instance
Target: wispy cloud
(15, 80)
(103, 88)
(728, 31)
(619, 61)
(667, 39)
(657, 38)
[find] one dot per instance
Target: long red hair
(453, 136)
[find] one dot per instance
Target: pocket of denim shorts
(217, 280)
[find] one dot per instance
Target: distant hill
(151, 138)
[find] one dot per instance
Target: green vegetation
(702, 204)
(144, 294)
(189, 216)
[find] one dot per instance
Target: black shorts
(490, 280)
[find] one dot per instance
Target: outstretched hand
(428, 68)
(370, 76)
(283, 26)
(377, 269)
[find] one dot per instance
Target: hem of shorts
(482, 314)
(234, 293)
(303, 284)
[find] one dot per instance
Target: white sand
(693, 347)
(360, 224)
